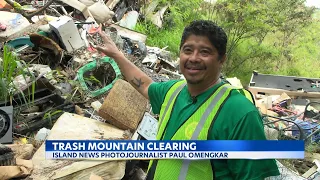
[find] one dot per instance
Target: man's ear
(222, 59)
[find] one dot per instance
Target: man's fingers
(99, 48)
(103, 35)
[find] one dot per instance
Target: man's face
(199, 60)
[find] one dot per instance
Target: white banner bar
(128, 155)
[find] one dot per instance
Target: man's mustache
(196, 66)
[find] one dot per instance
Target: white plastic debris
(42, 134)
(96, 105)
(129, 20)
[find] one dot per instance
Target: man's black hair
(215, 34)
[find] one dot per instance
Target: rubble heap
(54, 84)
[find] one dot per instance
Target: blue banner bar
(208, 145)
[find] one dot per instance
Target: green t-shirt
(238, 119)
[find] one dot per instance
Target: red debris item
(2, 27)
(4, 4)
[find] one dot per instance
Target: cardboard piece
(74, 127)
(283, 97)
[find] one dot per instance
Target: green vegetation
(273, 37)
(10, 68)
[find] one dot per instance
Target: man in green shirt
(202, 55)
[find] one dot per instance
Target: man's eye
(187, 50)
(205, 53)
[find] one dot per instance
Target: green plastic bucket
(91, 66)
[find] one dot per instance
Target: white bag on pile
(100, 12)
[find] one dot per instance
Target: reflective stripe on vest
(167, 106)
(247, 94)
(195, 128)
(172, 96)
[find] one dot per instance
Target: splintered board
(291, 85)
(74, 127)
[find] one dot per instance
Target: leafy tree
(255, 20)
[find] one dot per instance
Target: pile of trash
(56, 85)
(290, 107)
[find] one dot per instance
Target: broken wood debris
(290, 109)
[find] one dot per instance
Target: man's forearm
(138, 79)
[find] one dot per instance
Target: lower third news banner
(128, 150)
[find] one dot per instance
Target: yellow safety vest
(195, 128)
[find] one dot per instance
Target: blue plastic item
(307, 128)
(21, 41)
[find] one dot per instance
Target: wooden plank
(310, 172)
(74, 127)
(269, 91)
(129, 33)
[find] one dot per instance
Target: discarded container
(21, 41)
(67, 32)
(124, 107)
(91, 66)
